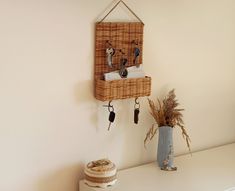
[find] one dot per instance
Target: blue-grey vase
(165, 152)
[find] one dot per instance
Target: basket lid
(102, 165)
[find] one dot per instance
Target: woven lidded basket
(100, 173)
(121, 36)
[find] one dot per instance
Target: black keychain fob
(111, 118)
(136, 115)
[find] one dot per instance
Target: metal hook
(122, 52)
(109, 43)
(137, 104)
(109, 106)
(136, 101)
(135, 42)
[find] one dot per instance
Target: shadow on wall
(84, 92)
(85, 100)
(63, 179)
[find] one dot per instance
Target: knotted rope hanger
(126, 7)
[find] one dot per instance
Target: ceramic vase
(165, 152)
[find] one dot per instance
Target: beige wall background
(50, 123)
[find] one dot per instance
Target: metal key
(123, 71)
(136, 115)
(136, 111)
(109, 53)
(111, 118)
(136, 56)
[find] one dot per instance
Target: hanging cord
(126, 7)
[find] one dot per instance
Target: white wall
(50, 123)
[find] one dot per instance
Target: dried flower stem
(166, 113)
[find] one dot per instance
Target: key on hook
(136, 56)
(111, 118)
(136, 111)
(123, 71)
(109, 53)
(111, 114)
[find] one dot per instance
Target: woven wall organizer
(123, 36)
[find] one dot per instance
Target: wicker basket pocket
(122, 89)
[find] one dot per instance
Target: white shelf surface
(209, 170)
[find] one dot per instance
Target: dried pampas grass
(166, 113)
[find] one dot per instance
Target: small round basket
(101, 173)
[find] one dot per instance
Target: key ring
(137, 104)
(109, 106)
(123, 61)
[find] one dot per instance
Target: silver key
(109, 53)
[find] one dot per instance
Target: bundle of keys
(136, 53)
(136, 111)
(123, 71)
(110, 51)
(111, 114)
(136, 56)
